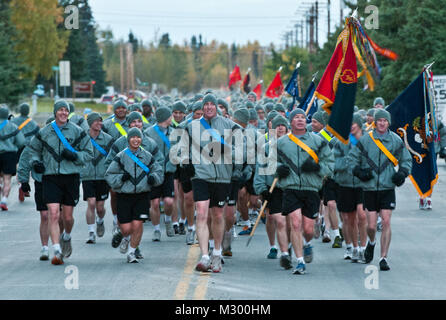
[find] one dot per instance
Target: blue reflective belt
(3, 124)
(162, 135)
(98, 147)
(137, 161)
(61, 137)
(212, 131)
(353, 140)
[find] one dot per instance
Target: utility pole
(317, 25)
(312, 29)
(121, 60)
(328, 18)
(341, 6)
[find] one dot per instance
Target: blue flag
(306, 101)
(409, 113)
(293, 88)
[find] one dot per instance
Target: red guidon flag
(338, 86)
(258, 91)
(275, 89)
(234, 76)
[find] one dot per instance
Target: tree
(39, 40)
(83, 51)
(13, 83)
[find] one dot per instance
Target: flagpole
(281, 96)
(298, 81)
(314, 96)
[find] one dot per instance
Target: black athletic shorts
(38, 197)
(233, 194)
(217, 193)
(250, 186)
(275, 205)
(306, 200)
(349, 198)
(8, 163)
(62, 188)
(329, 189)
(378, 200)
(166, 189)
(133, 206)
(95, 189)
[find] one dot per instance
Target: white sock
(167, 218)
(91, 227)
(45, 247)
(127, 238)
(211, 243)
(66, 236)
(205, 256)
(273, 247)
(182, 221)
(356, 248)
(340, 224)
(191, 228)
(336, 232)
(285, 253)
(4, 200)
(115, 219)
(99, 220)
(349, 245)
(246, 223)
(362, 248)
(300, 260)
(56, 247)
(372, 243)
(157, 227)
(175, 223)
(216, 252)
(307, 243)
(131, 250)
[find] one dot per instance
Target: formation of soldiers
(189, 162)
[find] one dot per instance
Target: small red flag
(245, 84)
(275, 89)
(258, 91)
(234, 76)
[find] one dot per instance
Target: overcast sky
(226, 21)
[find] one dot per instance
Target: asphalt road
(417, 261)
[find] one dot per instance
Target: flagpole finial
(298, 65)
(315, 75)
(261, 81)
(428, 66)
(280, 69)
(249, 69)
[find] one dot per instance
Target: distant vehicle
(107, 99)
(136, 96)
(40, 91)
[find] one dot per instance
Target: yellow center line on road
(183, 285)
(202, 286)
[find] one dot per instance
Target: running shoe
(138, 254)
(117, 238)
(124, 246)
(131, 258)
(57, 259)
(100, 229)
(91, 238)
(156, 236)
(285, 261)
(181, 228)
(361, 256)
(272, 253)
(204, 264)
(300, 268)
(348, 253)
(176, 229)
(216, 262)
(383, 265)
(428, 204)
(190, 237)
(355, 255)
(337, 242)
(3, 206)
(326, 237)
(246, 231)
(67, 249)
(170, 232)
(368, 253)
(44, 255)
(422, 204)
(308, 253)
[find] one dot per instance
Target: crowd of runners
(205, 164)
